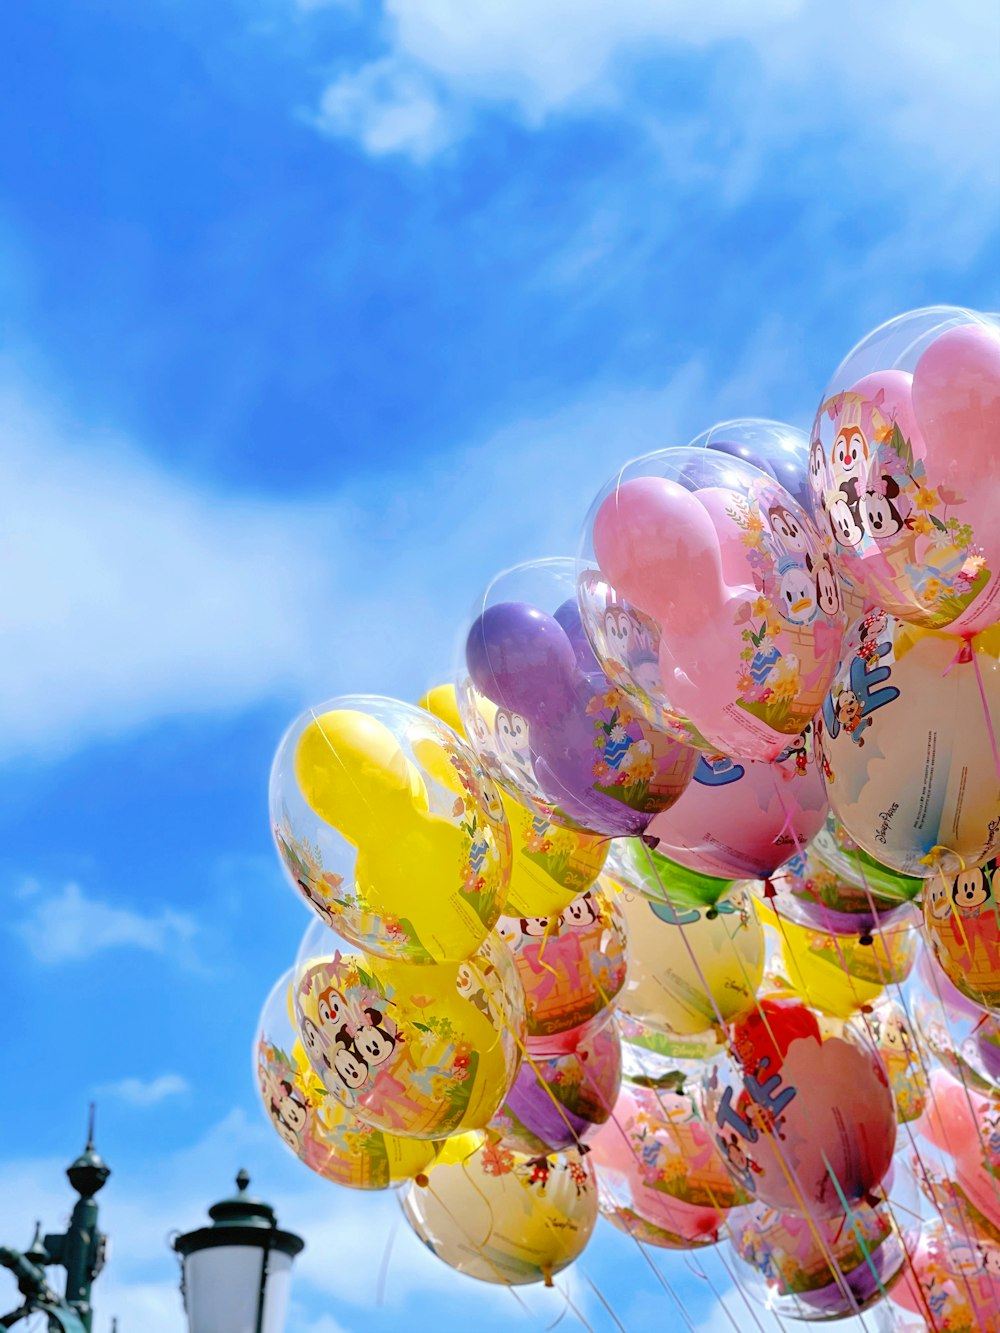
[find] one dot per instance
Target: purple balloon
(525, 660)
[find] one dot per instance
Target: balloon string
(601, 1297)
(790, 1178)
(384, 1267)
(963, 656)
(849, 1216)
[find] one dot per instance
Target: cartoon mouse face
(971, 890)
(894, 1033)
(843, 513)
(850, 452)
(535, 926)
(733, 1150)
(581, 912)
(848, 709)
(797, 602)
(787, 528)
(291, 1111)
(881, 517)
(372, 1041)
(939, 900)
(348, 1064)
(331, 1007)
(991, 1260)
(827, 588)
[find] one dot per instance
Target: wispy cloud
(145, 1092)
(68, 926)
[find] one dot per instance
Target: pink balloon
(953, 1284)
(744, 820)
(905, 475)
(750, 619)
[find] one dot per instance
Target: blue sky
(312, 317)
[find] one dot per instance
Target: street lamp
(237, 1273)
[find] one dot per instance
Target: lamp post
(81, 1250)
(236, 1274)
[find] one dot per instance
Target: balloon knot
(422, 1180)
(651, 840)
(547, 1275)
(866, 938)
(965, 652)
(872, 1199)
(769, 890)
(866, 1009)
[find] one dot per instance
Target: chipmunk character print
(817, 469)
(512, 741)
(787, 529)
(850, 455)
(332, 1008)
(971, 890)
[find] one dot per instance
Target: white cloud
(145, 1092)
(905, 78)
(141, 596)
(389, 108)
(69, 926)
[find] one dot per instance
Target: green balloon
(663, 880)
(839, 853)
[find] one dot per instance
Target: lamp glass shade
(223, 1286)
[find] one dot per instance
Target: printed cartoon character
(317, 900)
(990, 1256)
(289, 1114)
(312, 1039)
(581, 913)
(347, 1064)
(332, 1008)
(844, 514)
(511, 739)
(850, 713)
(717, 770)
(827, 585)
(618, 633)
(882, 519)
(787, 528)
(870, 631)
(797, 602)
(490, 793)
(799, 749)
(471, 988)
(971, 891)
(540, 1169)
(373, 1042)
(817, 468)
(939, 900)
(743, 1166)
(534, 926)
(850, 454)
(630, 645)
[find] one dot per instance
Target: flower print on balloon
(747, 611)
(548, 723)
(903, 475)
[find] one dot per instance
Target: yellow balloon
(503, 1217)
(318, 1129)
(551, 865)
(421, 1052)
(690, 968)
(836, 973)
(391, 831)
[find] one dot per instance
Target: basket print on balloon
(792, 630)
(902, 536)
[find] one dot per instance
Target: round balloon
(390, 830)
(956, 1031)
(834, 847)
(658, 1138)
(560, 1096)
(743, 820)
(688, 969)
(572, 966)
(319, 1130)
(420, 1051)
(954, 1283)
(966, 1125)
(801, 1109)
(817, 1268)
(903, 468)
(962, 926)
(551, 864)
(734, 577)
(502, 1217)
(655, 1059)
(546, 720)
(841, 973)
(906, 746)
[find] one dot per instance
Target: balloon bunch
(678, 904)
